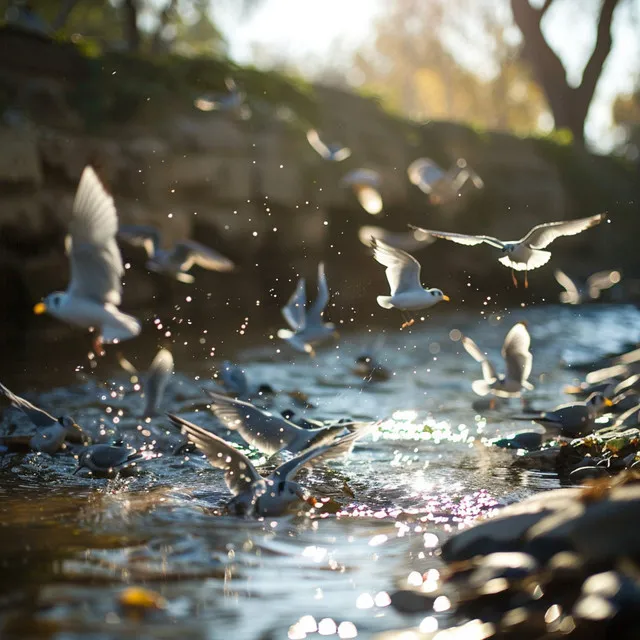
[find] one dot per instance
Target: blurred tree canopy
(153, 26)
(413, 63)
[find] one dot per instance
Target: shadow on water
(69, 545)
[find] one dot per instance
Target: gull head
(52, 302)
(438, 295)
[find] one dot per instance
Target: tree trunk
(130, 25)
(569, 105)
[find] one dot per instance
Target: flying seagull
(527, 253)
(179, 259)
(403, 274)
(576, 292)
(307, 327)
(333, 152)
(517, 359)
(92, 298)
(441, 186)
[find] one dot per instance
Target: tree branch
(604, 40)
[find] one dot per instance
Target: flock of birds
(93, 296)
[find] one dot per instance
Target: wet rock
(581, 474)
(408, 601)
(529, 440)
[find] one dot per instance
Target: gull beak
(40, 308)
(446, 298)
(608, 403)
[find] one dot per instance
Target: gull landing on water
(308, 329)
(517, 359)
(527, 253)
(254, 495)
(95, 291)
(403, 274)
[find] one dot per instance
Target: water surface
(69, 545)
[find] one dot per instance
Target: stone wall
(256, 190)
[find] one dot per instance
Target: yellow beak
(608, 403)
(40, 308)
(446, 298)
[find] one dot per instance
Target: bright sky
(299, 29)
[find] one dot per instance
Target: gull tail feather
(385, 302)
(122, 327)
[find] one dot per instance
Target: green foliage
(122, 87)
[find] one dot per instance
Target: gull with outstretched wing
(95, 291)
(528, 252)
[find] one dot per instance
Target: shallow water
(70, 544)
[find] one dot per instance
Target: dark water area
(69, 544)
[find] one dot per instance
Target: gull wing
(142, 235)
(369, 198)
(239, 472)
(570, 295)
(156, 380)
(186, 253)
(289, 469)
(424, 174)
(96, 264)
(515, 351)
(461, 238)
(39, 417)
(341, 154)
(542, 235)
(233, 378)
(314, 316)
(403, 270)
(488, 371)
(317, 144)
(267, 432)
(404, 240)
(600, 281)
(294, 310)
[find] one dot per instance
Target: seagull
(404, 240)
(106, 461)
(156, 381)
(272, 433)
(95, 291)
(308, 329)
(234, 379)
(517, 359)
(51, 432)
(232, 102)
(365, 184)
(442, 186)
(527, 253)
(571, 420)
(575, 293)
(333, 152)
(403, 274)
(254, 495)
(176, 261)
